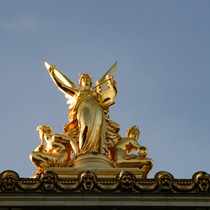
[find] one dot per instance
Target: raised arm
(62, 82)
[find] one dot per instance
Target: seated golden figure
(122, 156)
(57, 151)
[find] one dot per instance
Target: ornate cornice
(88, 181)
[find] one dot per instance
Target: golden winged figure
(91, 140)
(88, 108)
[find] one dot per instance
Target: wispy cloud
(21, 23)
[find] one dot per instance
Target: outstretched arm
(61, 81)
(133, 144)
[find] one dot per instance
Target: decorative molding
(88, 181)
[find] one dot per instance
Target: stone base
(93, 161)
(101, 173)
(101, 165)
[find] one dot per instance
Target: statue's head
(133, 132)
(85, 81)
(202, 180)
(87, 180)
(126, 179)
(44, 129)
(9, 180)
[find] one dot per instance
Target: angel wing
(62, 82)
(106, 87)
(110, 73)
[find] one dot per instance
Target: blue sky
(163, 76)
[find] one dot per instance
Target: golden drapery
(91, 123)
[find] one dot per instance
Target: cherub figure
(56, 152)
(122, 156)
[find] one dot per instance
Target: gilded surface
(90, 138)
(88, 181)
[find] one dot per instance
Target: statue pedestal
(93, 161)
(101, 165)
(110, 173)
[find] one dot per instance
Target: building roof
(48, 189)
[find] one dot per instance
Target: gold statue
(56, 152)
(91, 140)
(122, 156)
(86, 114)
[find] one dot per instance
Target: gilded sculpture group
(90, 129)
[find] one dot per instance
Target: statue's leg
(74, 146)
(64, 139)
(84, 121)
(146, 165)
(42, 160)
(82, 136)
